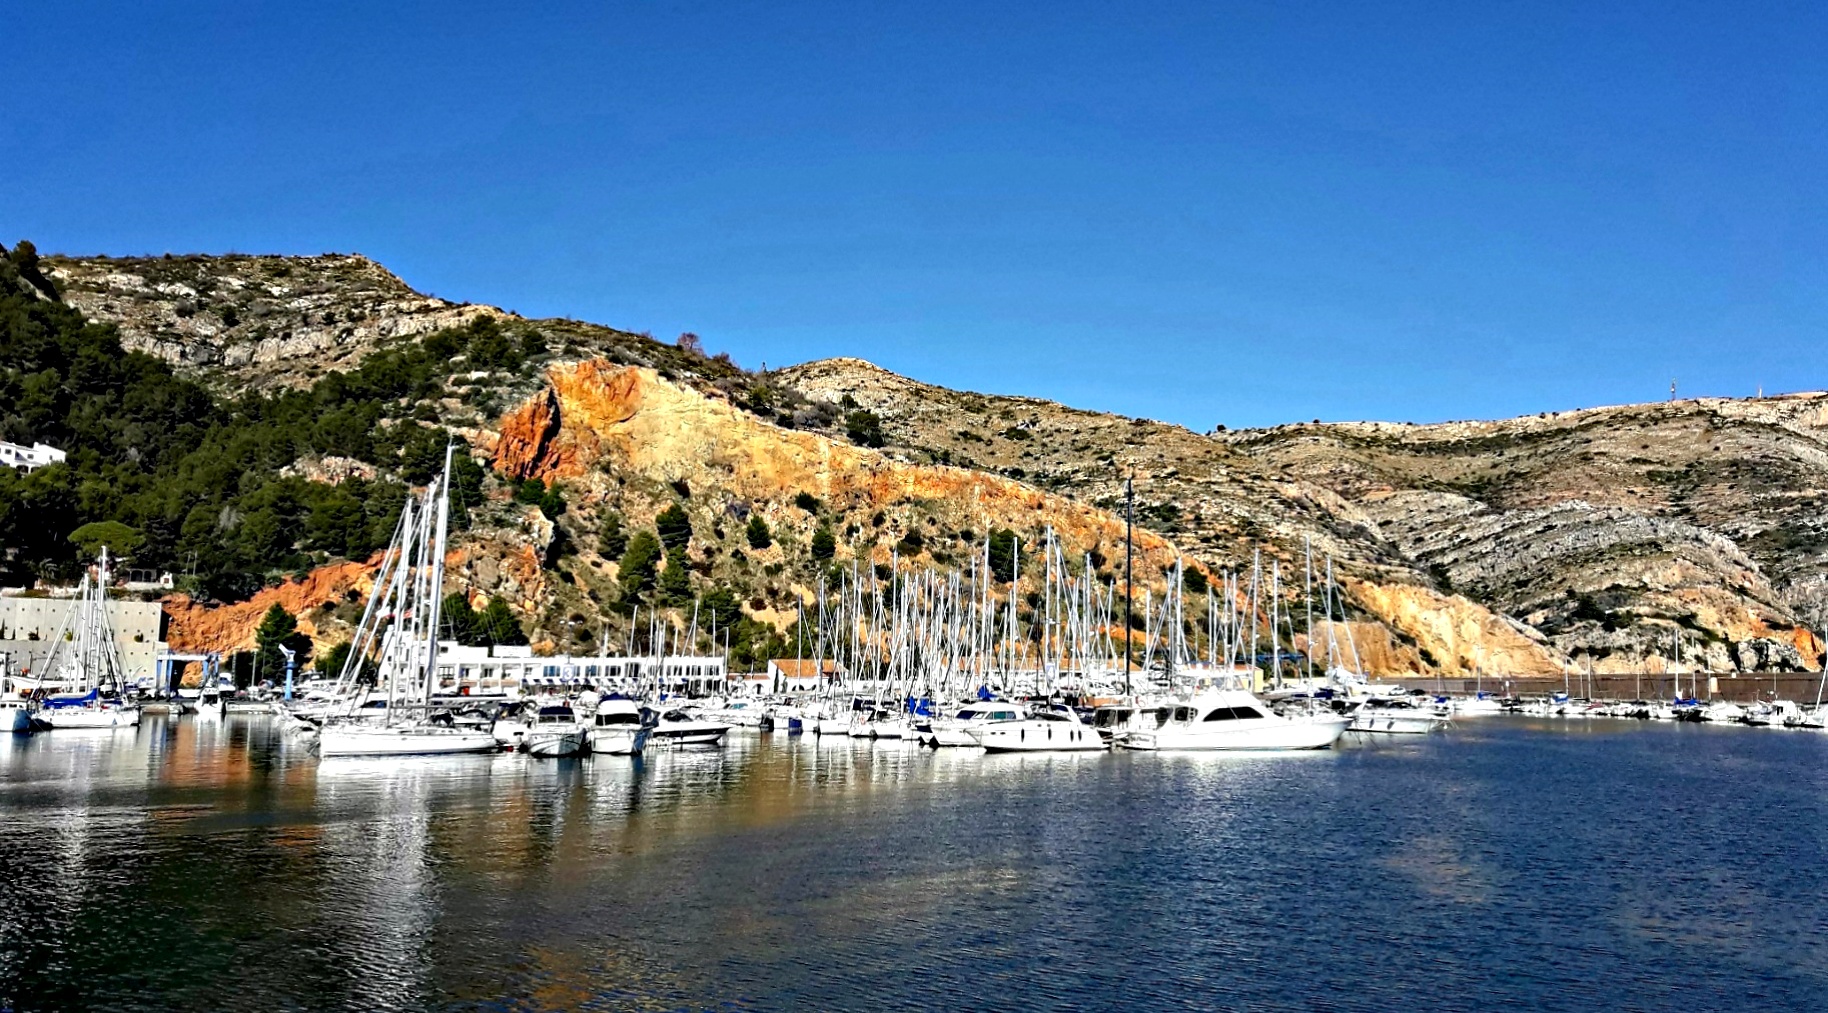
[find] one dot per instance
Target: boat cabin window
(1233, 713)
(1187, 714)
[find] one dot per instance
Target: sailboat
(400, 627)
(87, 658)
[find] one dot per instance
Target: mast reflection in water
(217, 865)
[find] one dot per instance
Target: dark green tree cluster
(637, 570)
(863, 428)
(495, 624)
(550, 499)
(612, 540)
(1003, 554)
(757, 533)
(198, 477)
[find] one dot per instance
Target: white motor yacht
(1235, 720)
(956, 730)
(555, 731)
(677, 728)
(1400, 715)
(617, 728)
(1048, 729)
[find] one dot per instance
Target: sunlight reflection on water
(218, 865)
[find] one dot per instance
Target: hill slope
(1519, 545)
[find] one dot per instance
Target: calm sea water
(1505, 864)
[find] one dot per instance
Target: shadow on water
(1547, 865)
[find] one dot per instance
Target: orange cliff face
(597, 414)
(228, 628)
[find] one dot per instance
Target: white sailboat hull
(406, 740)
(88, 717)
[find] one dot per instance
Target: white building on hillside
(22, 458)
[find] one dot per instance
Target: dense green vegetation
(195, 482)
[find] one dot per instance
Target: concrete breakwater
(1741, 688)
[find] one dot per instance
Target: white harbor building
(513, 672)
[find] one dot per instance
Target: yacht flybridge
(399, 631)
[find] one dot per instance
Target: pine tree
(824, 544)
(674, 526)
(759, 535)
(612, 541)
(675, 580)
(499, 625)
(279, 629)
(636, 573)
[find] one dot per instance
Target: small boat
(1235, 720)
(556, 731)
(1480, 704)
(618, 729)
(1048, 729)
(15, 709)
(1396, 716)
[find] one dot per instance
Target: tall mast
(1129, 519)
(435, 592)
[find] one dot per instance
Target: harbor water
(1506, 863)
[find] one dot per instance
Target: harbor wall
(28, 632)
(1740, 688)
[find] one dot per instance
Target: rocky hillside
(1520, 546)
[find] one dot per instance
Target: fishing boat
(399, 632)
(617, 728)
(85, 656)
(556, 731)
(1235, 720)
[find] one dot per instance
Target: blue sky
(1233, 213)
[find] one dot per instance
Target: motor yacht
(1234, 720)
(1046, 729)
(617, 728)
(956, 730)
(677, 728)
(556, 731)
